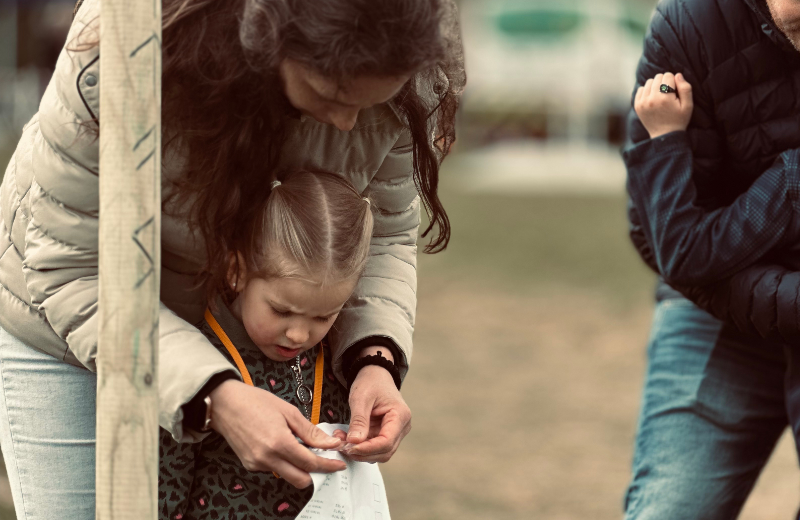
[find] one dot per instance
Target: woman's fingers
(361, 405)
(291, 474)
(261, 429)
(384, 438)
(376, 449)
(308, 433)
(375, 400)
(303, 459)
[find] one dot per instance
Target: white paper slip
(356, 493)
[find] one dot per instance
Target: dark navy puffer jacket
(745, 76)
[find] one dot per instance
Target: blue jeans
(47, 432)
(712, 412)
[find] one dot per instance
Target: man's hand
(662, 113)
(261, 429)
(380, 418)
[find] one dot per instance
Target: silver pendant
(305, 394)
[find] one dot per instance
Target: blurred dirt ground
(525, 407)
(528, 365)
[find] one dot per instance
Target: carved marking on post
(144, 161)
(142, 139)
(144, 251)
(153, 38)
(130, 260)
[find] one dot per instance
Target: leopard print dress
(206, 480)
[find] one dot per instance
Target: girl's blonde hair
(315, 226)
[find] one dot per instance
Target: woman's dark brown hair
(223, 103)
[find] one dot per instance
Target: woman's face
(327, 101)
(287, 316)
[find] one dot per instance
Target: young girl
(305, 254)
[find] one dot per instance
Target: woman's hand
(261, 429)
(380, 418)
(662, 113)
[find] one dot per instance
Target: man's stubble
(786, 15)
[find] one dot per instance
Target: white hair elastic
(368, 202)
(275, 184)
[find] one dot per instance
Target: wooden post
(130, 259)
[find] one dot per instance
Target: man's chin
(795, 40)
(792, 34)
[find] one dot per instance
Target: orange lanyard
(318, 369)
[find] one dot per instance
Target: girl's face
(287, 316)
(327, 101)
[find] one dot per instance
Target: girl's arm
(691, 245)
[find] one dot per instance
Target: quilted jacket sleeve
(59, 258)
(60, 254)
(665, 50)
(385, 299)
(763, 300)
(696, 246)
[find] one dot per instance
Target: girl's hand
(261, 429)
(380, 418)
(662, 113)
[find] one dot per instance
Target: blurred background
(531, 332)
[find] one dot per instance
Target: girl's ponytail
(314, 226)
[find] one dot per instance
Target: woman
(249, 88)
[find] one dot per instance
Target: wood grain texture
(130, 223)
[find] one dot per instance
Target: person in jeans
(251, 88)
(713, 403)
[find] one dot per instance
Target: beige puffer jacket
(49, 235)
